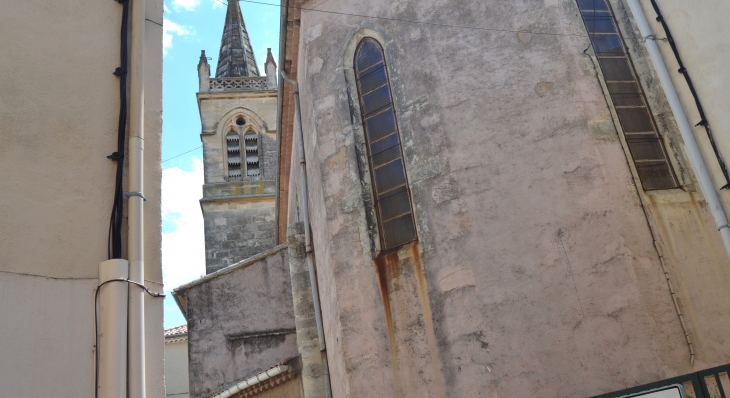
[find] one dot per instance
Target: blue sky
(191, 26)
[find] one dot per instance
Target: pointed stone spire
(203, 73)
(236, 57)
(270, 69)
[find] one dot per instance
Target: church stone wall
(236, 229)
(240, 322)
(239, 216)
(535, 273)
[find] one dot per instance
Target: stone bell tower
(238, 117)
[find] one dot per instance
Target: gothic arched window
(233, 150)
(391, 192)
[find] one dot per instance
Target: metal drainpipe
(307, 233)
(136, 344)
(692, 149)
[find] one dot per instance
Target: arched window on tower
(251, 142)
(391, 192)
(233, 144)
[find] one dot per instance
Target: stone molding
(254, 83)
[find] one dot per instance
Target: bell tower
(238, 117)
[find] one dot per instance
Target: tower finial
(203, 73)
(270, 69)
(236, 55)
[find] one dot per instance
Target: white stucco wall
(176, 369)
(59, 108)
(700, 32)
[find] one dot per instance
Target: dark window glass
(625, 94)
(386, 156)
(393, 207)
(389, 177)
(375, 100)
(368, 54)
(384, 144)
(656, 176)
(616, 69)
(398, 231)
(380, 125)
(597, 5)
(646, 147)
(635, 120)
(599, 22)
(607, 44)
(373, 79)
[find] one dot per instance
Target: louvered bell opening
(635, 118)
(394, 209)
(234, 170)
(252, 154)
(234, 155)
(250, 136)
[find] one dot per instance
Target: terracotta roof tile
(177, 330)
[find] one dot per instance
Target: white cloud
(187, 5)
(168, 29)
(183, 249)
(167, 10)
(217, 3)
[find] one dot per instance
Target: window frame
(386, 243)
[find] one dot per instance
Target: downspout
(307, 230)
(112, 330)
(136, 343)
(692, 149)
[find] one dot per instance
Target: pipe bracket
(135, 193)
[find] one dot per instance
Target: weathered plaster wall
(696, 259)
(176, 369)
(222, 350)
(59, 108)
(535, 273)
(236, 229)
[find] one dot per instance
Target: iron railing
(708, 383)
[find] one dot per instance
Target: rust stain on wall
(388, 267)
(428, 320)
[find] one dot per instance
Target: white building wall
(59, 108)
(700, 32)
(176, 369)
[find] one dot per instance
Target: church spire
(236, 56)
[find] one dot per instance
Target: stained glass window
(629, 100)
(392, 196)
